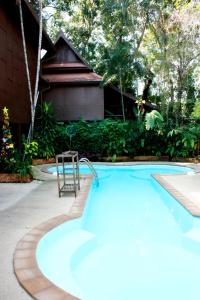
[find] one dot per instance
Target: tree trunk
(26, 59)
(122, 98)
(36, 93)
(33, 99)
(179, 116)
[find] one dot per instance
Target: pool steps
(69, 244)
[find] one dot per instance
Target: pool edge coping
(195, 167)
(25, 264)
(188, 204)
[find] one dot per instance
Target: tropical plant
(149, 48)
(7, 152)
(15, 160)
(196, 110)
(153, 120)
(45, 130)
(184, 141)
(30, 150)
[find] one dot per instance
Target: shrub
(14, 160)
(45, 131)
(143, 136)
(7, 153)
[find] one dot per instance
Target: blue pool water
(133, 242)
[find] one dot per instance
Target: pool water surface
(134, 241)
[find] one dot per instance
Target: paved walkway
(24, 206)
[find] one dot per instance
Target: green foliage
(98, 138)
(109, 138)
(15, 160)
(153, 120)
(183, 141)
(31, 149)
(127, 40)
(24, 156)
(196, 110)
(22, 165)
(117, 138)
(7, 152)
(45, 130)
(191, 96)
(145, 136)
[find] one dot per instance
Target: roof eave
(73, 83)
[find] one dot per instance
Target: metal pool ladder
(86, 161)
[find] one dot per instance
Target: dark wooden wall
(64, 55)
(113, 104)
(72, 103)
(13, 82)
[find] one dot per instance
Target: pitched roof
(131, 97)
(31, 22)
(67, 66)
(75, 56)
(72, 78)
(62, 37)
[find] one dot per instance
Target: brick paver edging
(25, 265)
(193, 208)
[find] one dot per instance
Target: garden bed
(193, 160)
(135, 158)
(14, 178)
(42, 161)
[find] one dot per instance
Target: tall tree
(172, 47)
(154, 43)
(33, 96)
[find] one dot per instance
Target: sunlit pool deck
(185, 188)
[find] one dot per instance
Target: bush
(144, 136)
(13, 160)
(106, 138)
(45, 131)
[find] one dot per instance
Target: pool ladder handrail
(86, 161)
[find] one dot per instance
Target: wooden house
(13, 82)
(76, 91)
(113, 98)
(66, 79)
(72, 86)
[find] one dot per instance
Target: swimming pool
(134, 241)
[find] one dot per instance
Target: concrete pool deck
(25, 206)
(184, 188)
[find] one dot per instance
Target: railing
(86, 161)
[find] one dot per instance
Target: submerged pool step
(59, 254)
